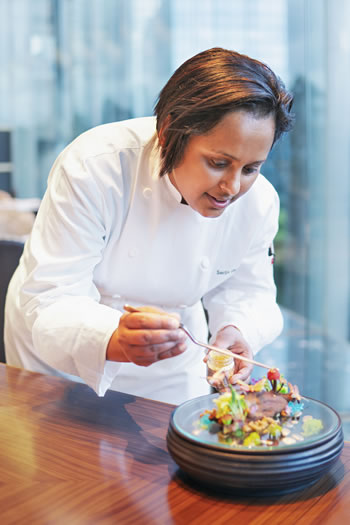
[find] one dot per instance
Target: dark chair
(10, 253)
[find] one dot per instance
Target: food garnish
(259, 414)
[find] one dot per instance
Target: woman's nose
(231, 184)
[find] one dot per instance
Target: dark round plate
(291, 465)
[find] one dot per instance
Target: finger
(243, 374)
(173, 352)
(241, 366)
(152, 352)
(145, 358)
(157, 353)
(152, 309)
(151, 321)
(143, 361)
(153, 337)
(159, 349)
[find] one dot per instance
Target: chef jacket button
(132, 252)
(147, 192)
(205, 263)
(182, 306)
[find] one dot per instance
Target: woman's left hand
(231, 338)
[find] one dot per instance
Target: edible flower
(273, 374)
(230, 403)
(295, 409)
(223, 404)
(257, 386)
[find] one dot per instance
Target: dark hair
(209, 85)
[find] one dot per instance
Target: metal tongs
(132, 309)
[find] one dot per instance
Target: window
(69, 65)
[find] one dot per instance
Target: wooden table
(70, 457)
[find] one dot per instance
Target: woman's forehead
(236, 132)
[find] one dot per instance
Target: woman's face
(219, 167)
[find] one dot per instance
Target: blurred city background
(68, 65)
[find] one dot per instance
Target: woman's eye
(248, 170)
(218, 163)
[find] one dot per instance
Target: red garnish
(273, 374)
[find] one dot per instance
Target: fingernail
(173, 324)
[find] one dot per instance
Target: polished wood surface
(70, 457)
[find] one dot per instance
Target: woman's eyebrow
(219, 152)
(256, 162)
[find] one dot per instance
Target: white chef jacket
(110, 231)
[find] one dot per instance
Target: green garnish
(274, 430)
(311, 426)
(252, 440)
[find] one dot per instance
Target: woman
(166, 214)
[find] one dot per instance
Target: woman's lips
(219, 204)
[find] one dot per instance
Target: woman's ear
(162, 131)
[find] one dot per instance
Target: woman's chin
(211, 212)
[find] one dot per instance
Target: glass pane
(68, 65)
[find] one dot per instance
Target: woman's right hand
(146, 336)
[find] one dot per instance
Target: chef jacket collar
(156, 161)
(172, 188)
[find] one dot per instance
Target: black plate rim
(270, 460)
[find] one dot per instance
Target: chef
(169, 214)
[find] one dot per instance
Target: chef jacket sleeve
(70, 329)
(247, 299)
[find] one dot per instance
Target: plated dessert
(267, 412)
(261, 438)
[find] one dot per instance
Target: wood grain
(70, 457)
